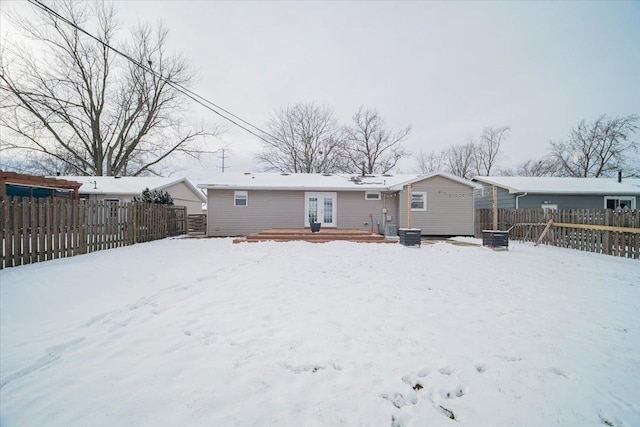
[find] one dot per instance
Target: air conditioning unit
(390, 230)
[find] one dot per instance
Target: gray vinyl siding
(354, 210)
(450, 208)
(265, 210)
(566, 201)
(484, 198)
(285, 209)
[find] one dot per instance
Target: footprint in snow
(436, 387)
(51, 355)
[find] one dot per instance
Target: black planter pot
(315, 226)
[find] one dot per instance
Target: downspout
(517, 197)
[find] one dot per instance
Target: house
(124, 189)
(22, 185)
(241, 204)
(557, 192)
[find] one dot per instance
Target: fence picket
(35, 230)
(528, 224)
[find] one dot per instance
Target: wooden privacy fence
(198, 224)
(603, 231)
(34, 230)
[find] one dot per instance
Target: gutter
(517, 197)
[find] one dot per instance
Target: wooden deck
(323, 236)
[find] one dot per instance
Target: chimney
(619, 176)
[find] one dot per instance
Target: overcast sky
(448, 69)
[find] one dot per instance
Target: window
(240, 198)
(615, 202)
(372, 195)
(419, 201)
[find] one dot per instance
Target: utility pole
(222, 158)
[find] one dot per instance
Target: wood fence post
(607, 234)
(16, 232)
(4, 235)
(494, 205)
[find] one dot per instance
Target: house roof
(129, 185)
(318, 182)
(562, 185)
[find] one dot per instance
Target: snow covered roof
(318, 182)
(130, 185)
(562, 185)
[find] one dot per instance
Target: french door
(320, 207)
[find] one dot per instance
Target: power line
(185, 91)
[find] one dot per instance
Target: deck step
(301, 234)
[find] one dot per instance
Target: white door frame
(322, 217)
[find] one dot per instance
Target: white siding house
(124, 189)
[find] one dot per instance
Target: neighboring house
(557, 193)
(124, 189)
(14, 184)
(241, 204)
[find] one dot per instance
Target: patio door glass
(320, 207)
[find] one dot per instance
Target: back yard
(204, 332)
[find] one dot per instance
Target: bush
(160, 197)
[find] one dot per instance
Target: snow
(290, 181)
(564, 185)
(205, 332)
(126, 184)
(317, 181)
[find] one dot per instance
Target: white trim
(334, 207)
(424, 199)
(241, 195)
(369, 193)
(631, 198)
(431, 175)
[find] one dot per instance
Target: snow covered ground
(204, 332)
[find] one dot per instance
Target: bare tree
(596, 149)
(544, 166)
(430, 162)
(304, 138)
(374, 148)
(460, 159)
(487, 149)
(79, 106)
